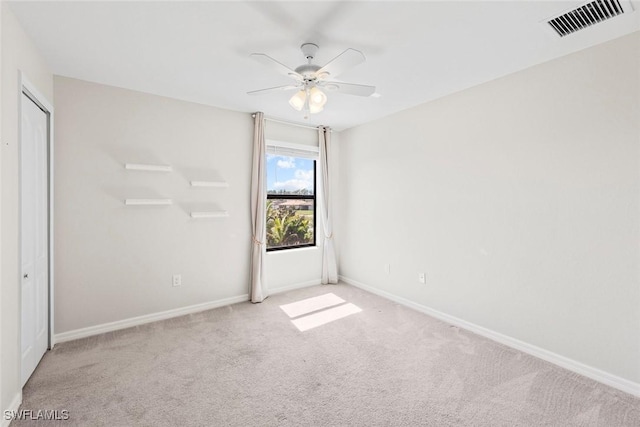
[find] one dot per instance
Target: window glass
(291, 202)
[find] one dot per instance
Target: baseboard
(148, 318)
(288, 288)
(564, 362)
(13, 407)
(154, 317)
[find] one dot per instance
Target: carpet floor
(249, 365)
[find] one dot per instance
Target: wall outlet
(387, 268)
(177, 280)
(422, 278)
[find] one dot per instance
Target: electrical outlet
(422, 278)
(387, 268)
(177, 280)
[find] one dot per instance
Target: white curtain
(258, 208)
(329, 266)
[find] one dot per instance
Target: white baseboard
(148, 318)
(564, 362)
(13, 406)
(288, 288)
(154, 317)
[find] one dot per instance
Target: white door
(34, 176)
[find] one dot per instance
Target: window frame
(302, 148)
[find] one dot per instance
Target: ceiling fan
(312, 80)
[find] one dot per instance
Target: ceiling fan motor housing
(309, 50)
(308, 71)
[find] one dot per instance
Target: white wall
(115, 262)
(520, 199)
(18, 53)
(2, 404)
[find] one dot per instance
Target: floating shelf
(211, 214)
(148, 202)
(209, 184)
(148, 168)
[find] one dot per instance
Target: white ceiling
(416, 51)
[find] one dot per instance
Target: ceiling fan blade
(341, 63)
(348, 88)
(275, 65)
(273, 89)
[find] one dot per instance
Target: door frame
(31, 91)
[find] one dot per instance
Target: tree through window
(291, 201)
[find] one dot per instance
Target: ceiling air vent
(587, 15)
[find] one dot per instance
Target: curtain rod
(289, 123)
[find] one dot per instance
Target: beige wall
(115, 262)
(2, 403)
(519, 198)
(18, 53)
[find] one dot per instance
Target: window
(291, 197)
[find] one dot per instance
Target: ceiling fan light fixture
(297, 101)
(313, 109)
(311, 79)
(317, 98)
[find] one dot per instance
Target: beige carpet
(248, 365)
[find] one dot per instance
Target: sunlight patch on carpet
(317, 311)
(310, 305)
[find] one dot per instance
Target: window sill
(294, 250)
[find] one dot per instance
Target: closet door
(34, 183)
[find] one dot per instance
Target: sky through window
(289, 174)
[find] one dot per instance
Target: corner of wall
(18, 54)
(12, 408)
(518, 197)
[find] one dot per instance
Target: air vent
(587, 15)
